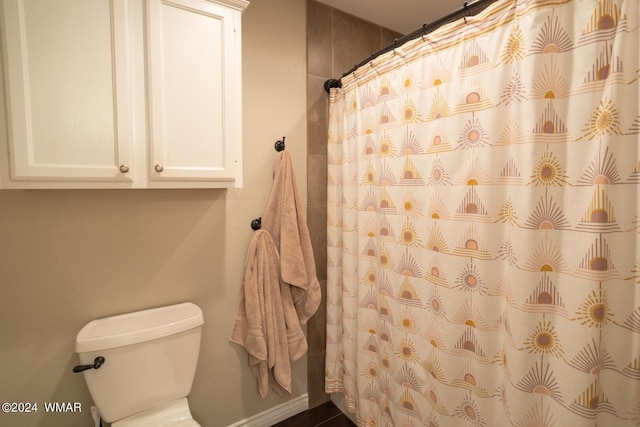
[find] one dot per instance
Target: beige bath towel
(266, 323)
(284, 219)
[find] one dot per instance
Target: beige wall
(69, 256)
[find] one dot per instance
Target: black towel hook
(279, 145)
(256, 224)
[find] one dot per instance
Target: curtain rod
(466, 10)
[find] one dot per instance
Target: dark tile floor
(325, 415)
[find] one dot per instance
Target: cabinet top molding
(240, 5)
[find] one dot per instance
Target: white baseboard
(277, 413)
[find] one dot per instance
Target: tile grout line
(328, 419)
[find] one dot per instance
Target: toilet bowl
(139, 367)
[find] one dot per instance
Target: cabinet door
(66, 71)
(194, 92)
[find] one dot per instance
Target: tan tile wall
(336, 41)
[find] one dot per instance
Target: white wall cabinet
(121, 94)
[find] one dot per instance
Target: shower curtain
(484, 223)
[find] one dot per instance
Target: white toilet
(139, 367)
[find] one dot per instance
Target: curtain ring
(466, 11)
(424, 30)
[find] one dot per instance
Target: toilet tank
(150, 358)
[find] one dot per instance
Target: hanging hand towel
(266, 323)
(284, 219)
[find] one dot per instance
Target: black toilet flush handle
(97, 362)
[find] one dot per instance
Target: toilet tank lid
(139, 326)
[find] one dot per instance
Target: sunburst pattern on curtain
(484, 223)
